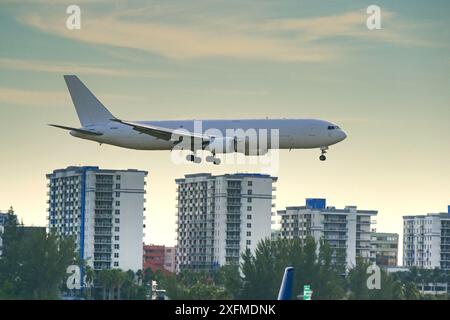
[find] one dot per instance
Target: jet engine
(222, 145)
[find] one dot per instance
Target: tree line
(33, 265)
(316, 264)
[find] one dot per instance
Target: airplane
(98, 124)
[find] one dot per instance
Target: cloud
(237, 92)
(351, 25)
(71, 68)
(188, 35)
(182, 41)
(52, 99)
(31, 98)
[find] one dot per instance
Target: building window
(249, 234)
(249, 208)
(249, 191)
(117, 229)
(249, 217)
(116, 264)
(249, 199)
(116, 238)
(116, 255)
(117, 203)
(249, 242)
(117, 185)
(117, 211)
(116, 246)
(117, 220)
(118, 177)
(249, 225)
(117, 194)
(250, 183)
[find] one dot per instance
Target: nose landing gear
(322, 156)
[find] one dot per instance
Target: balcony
(103, 225)
(102, 233)
(104, 250)
(103, 207)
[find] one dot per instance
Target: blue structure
(287, 285)
(316, 203)
(448, 210)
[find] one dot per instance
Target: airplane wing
(165, 133)
(93, 133)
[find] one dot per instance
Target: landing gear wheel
(209, 158)
(323, 150)
(216, 161)
(193, 158)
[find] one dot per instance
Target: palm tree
(90, 276)
(139, 276)
(117, 279)
(105, 279)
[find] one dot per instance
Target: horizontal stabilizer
(83, 131)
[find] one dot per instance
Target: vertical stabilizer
(89, 109)
(287, 285)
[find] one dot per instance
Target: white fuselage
(292, 133)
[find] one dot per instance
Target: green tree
(34, 263)
(230, 279)
(90, 278)
(357, 279)
(106, 283)
(330, 285)
(411, 292)
(117, 279)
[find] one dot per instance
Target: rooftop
(80, 169)
(227, 175)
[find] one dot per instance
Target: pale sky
(155, 60)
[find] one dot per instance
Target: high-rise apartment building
(3, 220)
(345, 229)
(219, 217)
(103, 210)
(426, 240)
(159, 258)
(384, 249)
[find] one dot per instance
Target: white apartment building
(219, 217)
(384, 249)
(426, 240)
(345, 229)
(103, 210)
(169, 259)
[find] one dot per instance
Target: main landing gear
(213, 159)
(322, 156)
(195, 159)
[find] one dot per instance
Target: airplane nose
(343, 135)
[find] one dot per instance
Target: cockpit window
(333, 127)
